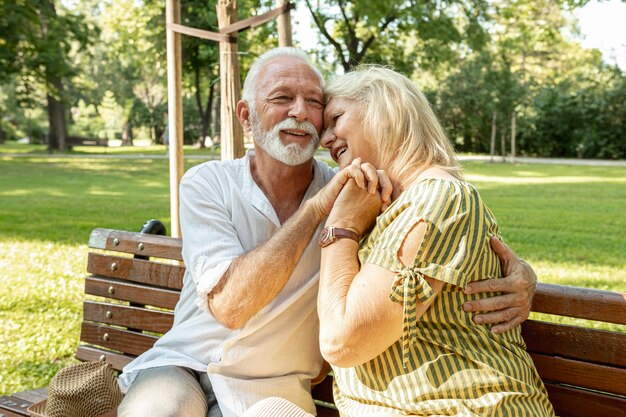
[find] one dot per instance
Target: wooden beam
(230, 86)
(284, 24)
(255, 21)
(198, 33)
(175, 112)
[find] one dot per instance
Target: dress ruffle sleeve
(456, 236)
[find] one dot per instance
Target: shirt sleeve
(210, 242)
(457, 232)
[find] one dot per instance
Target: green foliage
(587, 122)
(106, 62)
(398, 32)
(38, 44)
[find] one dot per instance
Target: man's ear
(243, 114)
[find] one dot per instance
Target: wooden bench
(135, 279)
(84, 141)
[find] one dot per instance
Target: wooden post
(513, 137)
(230, 85)
(284, 26)
(492, 148)
(174, 110)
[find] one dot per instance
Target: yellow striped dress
(444, 364)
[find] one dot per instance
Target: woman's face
(344, 135)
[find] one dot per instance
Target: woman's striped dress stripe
(444, 364)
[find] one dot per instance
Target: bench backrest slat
(129, 242)
(132, 292)
(136, 270)
(583, 303)
(128, 316)
(571, 402)
(90, 353)
(598, 346)
(582, 374)
(112, 338)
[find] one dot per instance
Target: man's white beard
(292, 153)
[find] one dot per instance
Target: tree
(398, 32)
(39, 44)
(134, 37)
(201, 62)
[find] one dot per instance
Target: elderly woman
(391, 318)
(390, 303)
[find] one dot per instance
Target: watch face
(326, 237)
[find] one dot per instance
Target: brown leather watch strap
(331, 233)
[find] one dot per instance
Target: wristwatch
(331, 233)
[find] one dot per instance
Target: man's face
(287, 117)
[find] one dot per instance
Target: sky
(602, 26)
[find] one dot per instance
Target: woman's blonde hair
(398, 121)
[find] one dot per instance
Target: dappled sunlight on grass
(34, 192)
(103, 192)
(542, 180)
(581, 274)
(531, 174)
(40, 310)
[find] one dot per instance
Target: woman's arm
(358, 321)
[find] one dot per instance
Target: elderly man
(246, 326)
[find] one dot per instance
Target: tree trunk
(2, 132)
(217, 124)
(513, 137)
(203, 112)
(206, 116)
(153, 133)
(57, 125)
(503, 144)
(127, 134)
(492, 148)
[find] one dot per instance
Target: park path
(325, 155)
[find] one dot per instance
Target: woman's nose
(328, 137)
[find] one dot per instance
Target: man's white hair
(251, 83)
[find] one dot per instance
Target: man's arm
(255, 278)
(518, 287)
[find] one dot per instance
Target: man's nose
(328, 137)
(298, 109)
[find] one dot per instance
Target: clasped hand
(355, 196)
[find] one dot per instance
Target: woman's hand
(518, 288)
(355, 208)
(364, 175)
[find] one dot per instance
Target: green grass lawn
(567, 221)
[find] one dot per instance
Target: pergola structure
(230, 85)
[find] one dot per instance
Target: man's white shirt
(224, 214)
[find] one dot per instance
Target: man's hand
(518, 287)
